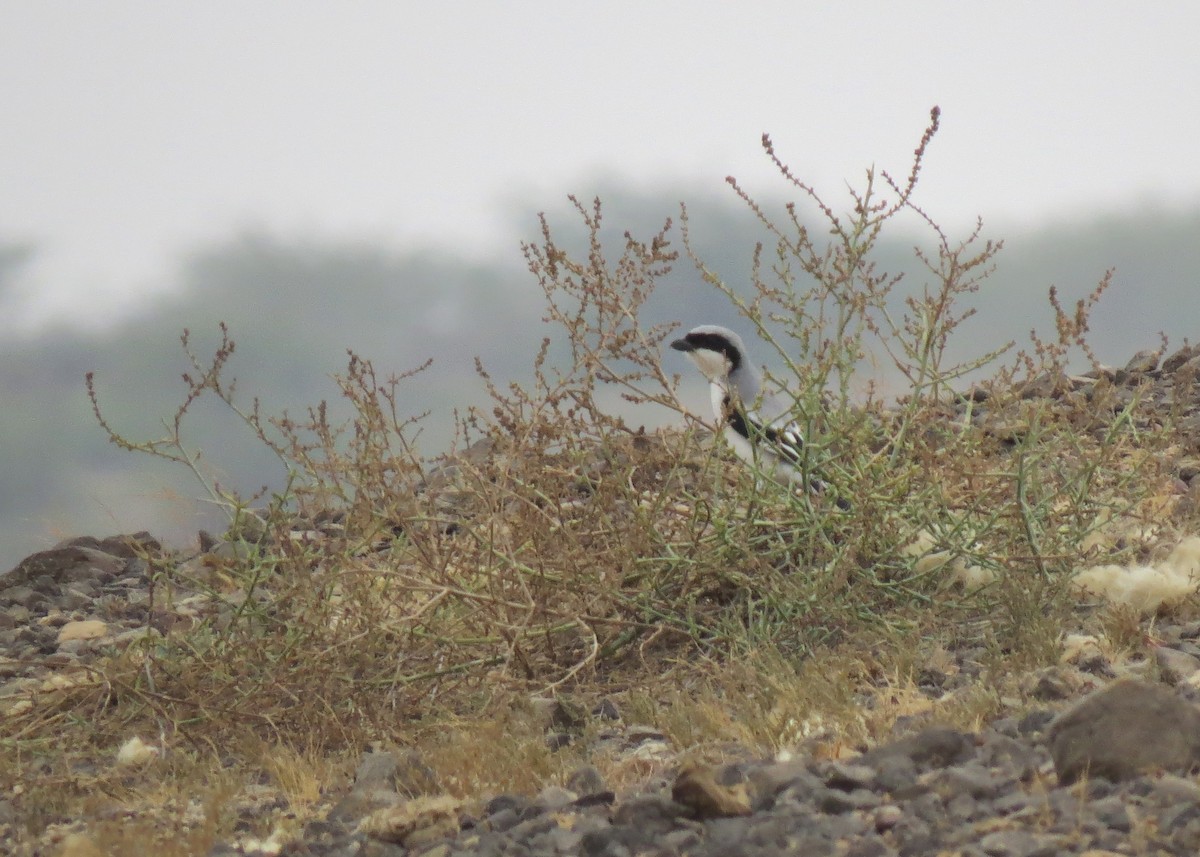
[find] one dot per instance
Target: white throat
(712, 365)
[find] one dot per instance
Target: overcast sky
(133, 131)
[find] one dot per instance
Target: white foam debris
(953, 568)
(135, 751)
(1080, 647)
(971, 577)
(922, 543)
(269, 847)
(1145, 588)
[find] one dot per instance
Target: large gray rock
(1124, 730)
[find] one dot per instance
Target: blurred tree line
(294, 306)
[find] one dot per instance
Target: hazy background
(332, 175)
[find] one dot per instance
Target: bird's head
(716, 351)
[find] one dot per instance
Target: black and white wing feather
(776, 445)
(786, 441)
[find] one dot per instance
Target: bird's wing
(783, 438)
(775, 419)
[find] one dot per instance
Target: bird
(757, 424)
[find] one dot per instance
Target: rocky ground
(936, 790)
(1095, 757)
(1095, 764)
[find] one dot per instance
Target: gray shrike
(756, 423)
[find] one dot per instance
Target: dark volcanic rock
(1126, 729)
(936, 747)
(84, 556)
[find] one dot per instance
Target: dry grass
(383, 597)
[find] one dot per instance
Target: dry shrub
(558, 545)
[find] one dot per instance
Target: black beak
(682, 345)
